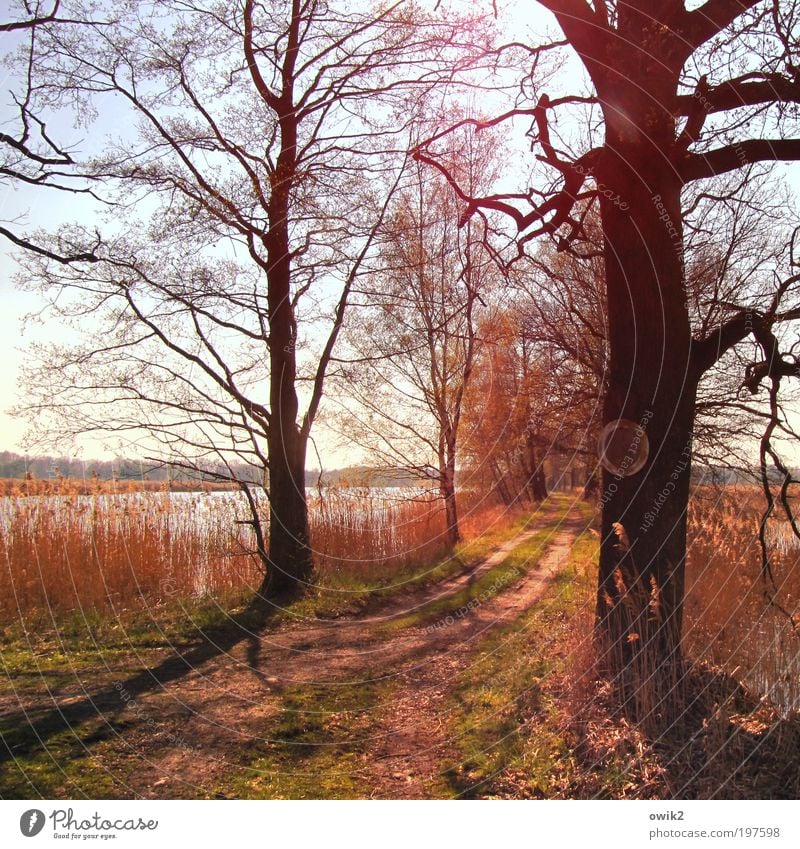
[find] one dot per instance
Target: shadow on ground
(27, 731)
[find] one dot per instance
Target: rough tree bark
(651, 383)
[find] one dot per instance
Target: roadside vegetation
(527, 713)
(307, 748)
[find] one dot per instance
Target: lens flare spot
(623, 447)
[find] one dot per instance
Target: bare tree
(736, 237)
(505, 420)
(266, 135)
(29, 155)
(564, 322)
(673, 96)
(415, 341)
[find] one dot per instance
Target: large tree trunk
(651, 383)
(290, 560)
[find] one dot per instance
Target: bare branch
(700, 166)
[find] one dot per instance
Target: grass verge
(530, 718)
(520, 711)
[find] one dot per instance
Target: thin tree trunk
(500, 484)
(537, 483)
(451, 516)
(540, 483)
(591, 484)
(447, 478)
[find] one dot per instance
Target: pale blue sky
(48, 209)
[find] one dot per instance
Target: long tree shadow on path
(92, 717)
(27, 731)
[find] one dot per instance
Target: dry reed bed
(362, 534)
(64, 551)
(114, 552)
(729, 620)
(13, 487)
(725, 740)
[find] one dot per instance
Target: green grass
(313, 750)
(69, 765)
(510, 571)
(316, 754)
(495, 699)
(507, 727)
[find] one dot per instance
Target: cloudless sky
(30, 208)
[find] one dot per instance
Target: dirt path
(409, 754)
(210, 724)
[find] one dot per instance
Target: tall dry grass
(362, 534)
(729, 620)
(63, 550)
(724, 740)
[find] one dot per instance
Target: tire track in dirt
(192, 734)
